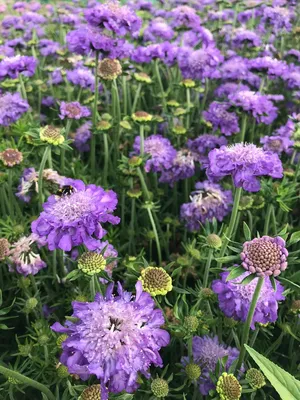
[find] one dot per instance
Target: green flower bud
(62, 371)
(61, 339)
(160, 387)
(255, 378)
(191, 323)
(207, 293)
(214, 241)
(91, 263)
(193, 371)
(228, 387)
(31, 303)
(43, 339)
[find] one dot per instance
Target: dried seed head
(11, 157)
(109, 69)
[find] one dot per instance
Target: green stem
(156, 235)
(27, 381)
(40, 179)
(267, 218)
(142, 139)
(106, 158)
(62, 150)
(233, 217)
(136, 98)
(160, 85)
(94, 119)
(243, 128)
(188, 101)
(124, 83)
(207, 267)
(143, 183)
(245, 334)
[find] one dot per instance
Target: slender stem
(94, 118)
(27, 381)
(124, 83)
(233, 217)
(143, 183)
(155, 234)
(188, 101)
(142, 139)
(243, 128)
(136, 98)
(40, 179)
(207, 267)
(245, 334)
(62, 150)
(267, 218)
(160, 85)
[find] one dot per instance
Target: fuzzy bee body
(65, 191)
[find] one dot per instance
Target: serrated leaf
(285, 384)
(235, 273)
(247, 232)
(295, 238)
(247, 279)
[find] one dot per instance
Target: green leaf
(235, 273)
(247, 279)
(295, 238)
(285, 384)
(273, 282)
(291, 284)
(247, 232)
(181, 291)
(227, 259)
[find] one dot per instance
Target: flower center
(264, 255)
(70, 208)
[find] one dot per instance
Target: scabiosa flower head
(235, 299)
(214, 241)
(82, 137)
(160, 388)
(220, 118)
(124, 330)
(52, 135)
(11, 157)
(141, 116)
(255, 378)
(203, 144)
(156, 281)
(114, 17)
(4, 248)
(227, 88)
(207, 202)
(207, 352)
(244, 37)
(228, 387)
(91, 263)
(11, 67)
(28, 179)
(184, 17)
(256, 104)
(82, 77)
(277, 144)
(280, 18)
(245, 163)
(91, 393)
(157, 30)
(265, 256)
(183, 167)
(23, 258)
(273, 67)
(73, 110)
(75, 219)
(160, 149)
(193, 371)
(12, 107)
(142, 77)
(109, 69)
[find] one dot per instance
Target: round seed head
(4, 248)
(141, 116)
(160, 387)
(214, 241)
(109, 69)
(62, 371)
(91, 393)
(156, 281)
(11, 157)
(51, 135)
(191, 323)
(295, 307)
(193, 371)
(91, 263)
(255, 378)
(228, 387)
(142, 77)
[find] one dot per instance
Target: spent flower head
(51, 135)
(109, 69)
(11, 157)
(156, 281)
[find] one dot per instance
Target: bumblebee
(65, 191)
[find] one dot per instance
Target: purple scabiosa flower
(113, 17)
(11, 67)
(255, 103)
(56, 77)
(203, 144)
(292, 77)
(277, 144)
(48, 47)
(273, 67)
(12, 21)
(82, 137)
(183, 167)
(158, 30)
(115, 338)
(6, 51)
(245, 163)
(279, 18)
(48, 101)
(73, 110)
(17, 43)
(12, 107)
(82, 77)
(208, 201)
(23, 258)
(161, 151)
(226, 89)
(245, 38)
(75, 219)
(293, 54)
(108, 251)
(286, 130)
(236, 68)
(220, 118)
(33, 17)
(207, 352)
(235, 299)
(265, 256)
(200, 63)
(184, 17)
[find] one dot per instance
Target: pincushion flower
(82, 77)
(12, 107)
(23, 258)
(235, 299)
(184, 16)
(208, 201)
(115, 338)
(73, 110)
(245, 163)
(156, 281)
(11, 67)
(183, 167)
(202, 145)
(113, 17)
(161, 151)
(76, 219)
(265, 256)
(220, 118)
(277, 144)
(256, 104)
(207, 352)
(82, 136)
